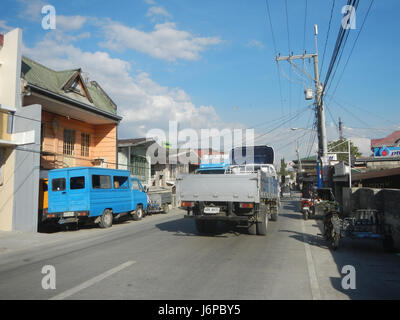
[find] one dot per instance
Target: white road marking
(92, 281)
(315, 292)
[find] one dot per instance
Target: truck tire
(165, 208)
(252, 228)
(138, 214)
(263, 225)
(275, 213)
(106, 219)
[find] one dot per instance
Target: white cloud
(255, 44)
(158, 11)
(70, 23)
(164, 42)
(143, 103)
(4, 27)
(32, 9)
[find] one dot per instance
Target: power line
(305, 25)
(276, 52)
(354, 44)
(289, 48)
(327, 35)
(340, 44)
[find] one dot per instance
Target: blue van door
(78, 190)
(138, 194)
(58, 195)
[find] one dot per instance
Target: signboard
(387, 152)
(332, 157)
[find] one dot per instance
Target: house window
(76, 87)
(85, 144)
(69, 142)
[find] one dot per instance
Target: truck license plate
(69, 214)
(211, 210)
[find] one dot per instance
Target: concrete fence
(384, 200)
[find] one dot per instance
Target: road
(163, 257)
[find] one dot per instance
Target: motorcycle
(305, 208)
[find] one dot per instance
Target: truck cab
(213, 168)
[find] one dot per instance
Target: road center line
(315, 292)
(92, 281)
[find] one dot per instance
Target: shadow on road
(54, 227)
(186, 227)
(313, 240)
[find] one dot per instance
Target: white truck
(245, 194)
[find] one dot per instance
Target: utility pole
(340, 129)
(298, 157)
(320, 111)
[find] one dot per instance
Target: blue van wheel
(138, 214)
(106, 219)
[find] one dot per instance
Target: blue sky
(211, 63)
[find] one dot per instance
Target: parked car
(95, 194)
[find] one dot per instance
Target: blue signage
(387, 152)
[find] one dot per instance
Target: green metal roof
(41, 76)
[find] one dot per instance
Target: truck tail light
(246, 205)
(83, 213)
(187, 204)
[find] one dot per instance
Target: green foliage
(342, 146)
(283, 171)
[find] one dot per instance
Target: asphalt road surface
(163, 257)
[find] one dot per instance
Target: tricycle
(159, 200)
(362, 224)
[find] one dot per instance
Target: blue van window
(136, 185)
(77, 183)
(101, 182)
(121, 182)
(58, 184)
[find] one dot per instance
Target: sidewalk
(15, 240)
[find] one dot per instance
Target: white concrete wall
(19, 192)
(10, 59)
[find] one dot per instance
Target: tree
(342, 146)
(282, 170)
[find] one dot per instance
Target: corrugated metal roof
(54, 81)
(390, 140)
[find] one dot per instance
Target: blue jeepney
(82, 193)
